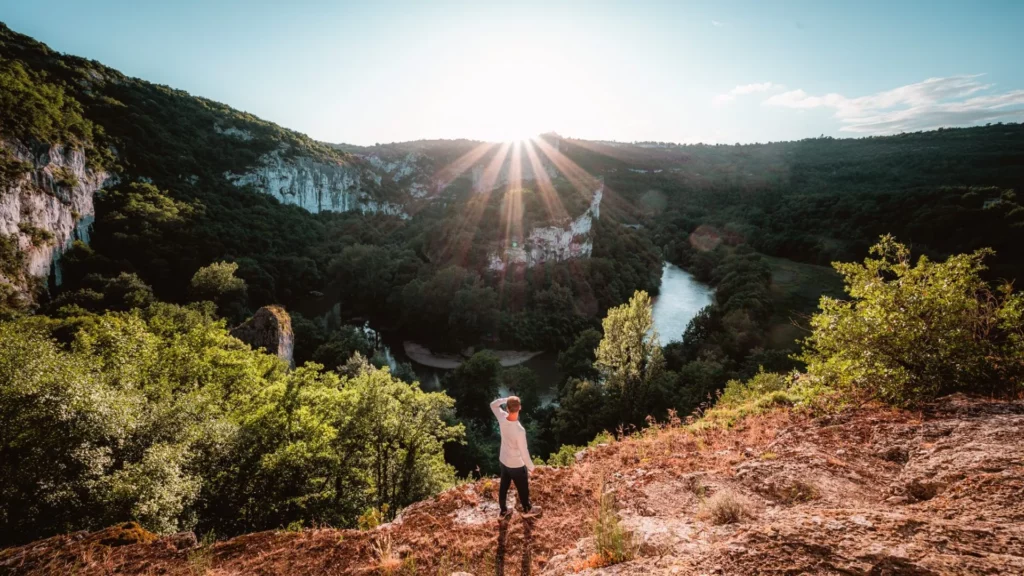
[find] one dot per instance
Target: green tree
(218, 284)
(324, 448)
(522, 382)
(911, 331)
(629, 356)
(584, 410)
(578, 360)
(473, 385)
(343, 343)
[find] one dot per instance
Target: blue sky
(366, 72)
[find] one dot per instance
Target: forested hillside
(139, 224)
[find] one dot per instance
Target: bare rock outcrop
(46, 208)
(270, 328)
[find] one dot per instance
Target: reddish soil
(870, 491)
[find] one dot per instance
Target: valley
(211, 324)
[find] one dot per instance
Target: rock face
(315, 186)
(553, 243)
(270, 328)
(318, 186)
(49, 207)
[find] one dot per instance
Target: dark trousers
(522, 480)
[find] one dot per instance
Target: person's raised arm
(496, 408)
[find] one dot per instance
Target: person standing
(514, 457)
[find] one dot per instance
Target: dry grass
(386, 559)
(613, 542)
(724, 507)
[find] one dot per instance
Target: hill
(866, 491)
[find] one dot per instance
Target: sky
(365, 72)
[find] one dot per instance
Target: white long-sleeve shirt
(514, 453)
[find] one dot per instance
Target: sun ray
(512, 206)
(459, 242)
(449, 173)
(548, 194)
(584, 183)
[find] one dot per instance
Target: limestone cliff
(553, 243)
(314, 185)
(46, 208)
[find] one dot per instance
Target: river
(681, 297)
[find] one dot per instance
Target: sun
(507, 93)
(508, 120)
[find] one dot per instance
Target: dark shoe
(533, 512)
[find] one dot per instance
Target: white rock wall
(315, 186)
(38, 200)
(553, 243)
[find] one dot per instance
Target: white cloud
(933, 103)
(746, 89)
(717, 24)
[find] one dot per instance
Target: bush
(724, 507)
(39, 237)
(566, 456)
(913, 332)
(737, 392)
(614, 542)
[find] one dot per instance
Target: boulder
(270, 328)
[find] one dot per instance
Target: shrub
(372, 517)
(65, 177)
(613, 542)
(12, 259)
(724, 507)
(762, 384)
(38, 236)
(913, 332)
(565, 456)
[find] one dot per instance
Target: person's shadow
(503, 547)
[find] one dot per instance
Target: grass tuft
(724, 507)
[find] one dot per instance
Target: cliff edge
(872, 490)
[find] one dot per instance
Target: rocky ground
(867, 491)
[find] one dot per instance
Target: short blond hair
(513, 404)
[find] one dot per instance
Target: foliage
(218, 284)
(566, 454)
(97, 293)
(372, 518)
(12, 259)
(159, 415)
(522, 382)
(612, 541)
(473, 385)
(629, 356)
(39, 237)
(11, 169)
(35, 110)
(577, 361)
(911, 332)
(344, 342)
